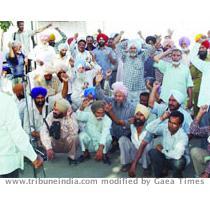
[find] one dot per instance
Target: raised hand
(99, 77)
(165, 116)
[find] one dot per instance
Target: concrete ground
(60, 168)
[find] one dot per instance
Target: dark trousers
(160, 164)
(14, 174)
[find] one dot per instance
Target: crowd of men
(144, 99)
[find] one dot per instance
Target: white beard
(176, 63)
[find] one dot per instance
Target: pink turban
(119, 87)
(44, 37)
(168, 41)
(185, 40)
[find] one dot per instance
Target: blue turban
(90, 90)
(38, 91)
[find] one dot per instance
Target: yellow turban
(51, 37)
(198, 37)
(62, 105)
(142, 109)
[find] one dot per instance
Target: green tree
(4, 26)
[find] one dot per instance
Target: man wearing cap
(176, 76)
(35, 112)
(52, 39)
(133, 59)
(104, 55)
(89, 96)
(65, 139)
(197, 75)
(119, 109)
(96, 137)
(128, 148)
(204, 67)
(82, 79)
(184, 43)
(175, 101)
(42, 54)
(56, 84)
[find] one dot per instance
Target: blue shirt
(102, 57)
(16, 64)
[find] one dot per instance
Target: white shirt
(44, 53)
(174, 146)
(24, 38)
(177, 78)
(137, 140)
(204, 67)
(14, 142)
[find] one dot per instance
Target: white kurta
(14, 143)
(204, 67)
(97, 132)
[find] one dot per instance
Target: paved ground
(60, 168)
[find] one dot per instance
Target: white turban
(48, 69)
(119, 87)
(60, 66)
(142, 109)
(137, 43)
(177, 95)
(62, 46)
(62, 105)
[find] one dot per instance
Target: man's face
(56, 113)
(144, 100)
(173, 104)
(183, 45)
(48, 77)
(39, 101)
(89, 41)
(63, 52)
(51, 43)
(173, 124)
(99, 114)
(139, 119)
(110, 42)
(133, 51)
(119, 97)
(176, 56)
(101, 42)
(81, 46)
(20, 26)
(202, 52)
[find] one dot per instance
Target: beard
(138, 122)
(101, 44)
(40, 103)
(133, 54)
(99, 118)
(118, 104)
(186, 50)
(58, 116)
(21, 96)
(175, 62)
(202, 55)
